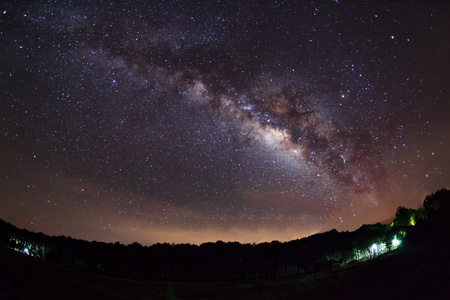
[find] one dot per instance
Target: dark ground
(420, 272)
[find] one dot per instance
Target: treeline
(221, 261)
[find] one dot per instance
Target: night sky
(195, 121)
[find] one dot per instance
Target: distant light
(374, 248)
(395, 242)
(26, 251)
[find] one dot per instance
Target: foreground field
(417, 273)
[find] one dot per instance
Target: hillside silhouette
(406, 257)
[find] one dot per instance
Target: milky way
(200, 121)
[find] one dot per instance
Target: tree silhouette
(230, 261)
(405, 217)
(437, 204)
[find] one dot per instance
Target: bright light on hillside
(374, 248)
(395, 242)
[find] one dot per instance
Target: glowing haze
(203, 121)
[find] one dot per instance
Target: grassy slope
(422, 273)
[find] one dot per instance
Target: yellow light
(412, 221)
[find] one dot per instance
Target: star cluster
(207, 120)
